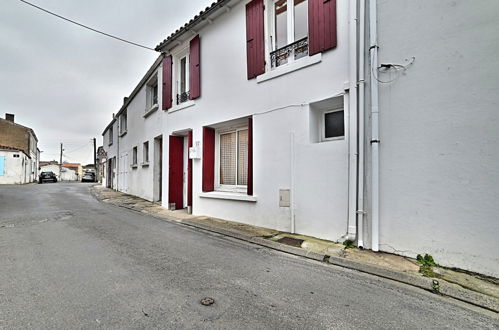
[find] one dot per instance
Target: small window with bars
(233, 158)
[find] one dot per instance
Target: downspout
(361, 84)
(352, 123)
(373, 65)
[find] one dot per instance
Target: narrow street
(68, 261)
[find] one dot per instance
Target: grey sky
(65, 81)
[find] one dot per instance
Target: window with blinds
(234, 158)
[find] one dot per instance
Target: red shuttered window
(167, 82)
(195, 68)
(255, 46)
(321, 25)
(208, 159)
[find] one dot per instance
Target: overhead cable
(86, 27)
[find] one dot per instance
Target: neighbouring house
(101, 165)
(65, 172)
(19, 154)
(334, 119)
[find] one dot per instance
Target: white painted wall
(139, 179)
(279, 107)
(440, 132)
(16, 168)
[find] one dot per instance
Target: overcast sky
(65, 81)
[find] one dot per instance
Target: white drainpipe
(352, 124)
(361, 83)
(373, 51)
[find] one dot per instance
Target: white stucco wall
(439, 124)
(16, 170)
(140, 129)
(280, 107)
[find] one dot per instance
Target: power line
(85, 26)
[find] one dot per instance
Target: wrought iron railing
(297, 49)
(183, 97)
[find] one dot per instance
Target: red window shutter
(195, 68)
(321, 25)
(208, 159)
(255, 44)
(250, 157)
(167, 82)
(189, 171)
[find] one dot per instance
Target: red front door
(176, 172)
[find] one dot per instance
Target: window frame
(111, 133)
(270, 32)
(225, 187)
(145, 153)
(152, 84)
(124, 130)
(177, 62)
(323, 125)
(134, 156)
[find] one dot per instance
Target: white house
(265, 112)
(19, 154)
(15, 166)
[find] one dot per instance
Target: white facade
(438, 180)
(439, 131)
(15, 167)
(66, 174)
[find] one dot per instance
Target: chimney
(9, 117)
(125, 99)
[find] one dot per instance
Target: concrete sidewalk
(475, 289)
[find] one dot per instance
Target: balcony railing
(183, 97)
(296, 50)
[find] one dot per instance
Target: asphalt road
(68, 261)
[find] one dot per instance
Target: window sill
(182, 105)
(144, 164)
(150, 111)
(134, 166)
(228, 196)
(123, 134)
(288, 68)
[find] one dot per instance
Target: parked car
(88, 177)
(47, 176)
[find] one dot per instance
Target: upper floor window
(288, 31)
(182, 77)
(152, 93)
(111, 133)
(123, 123)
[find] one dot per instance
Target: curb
(435, 285)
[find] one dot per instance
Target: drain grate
(207, 301)
(291, 241)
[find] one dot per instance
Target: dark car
(47, 176)
(88, 177)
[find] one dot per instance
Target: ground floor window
(233, 158)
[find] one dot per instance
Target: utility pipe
(352, 124)
(292, 192)
(361, 106)
(373, 65)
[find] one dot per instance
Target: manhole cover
(207, 301)
(290, 241)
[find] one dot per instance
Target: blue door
(2, 165)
